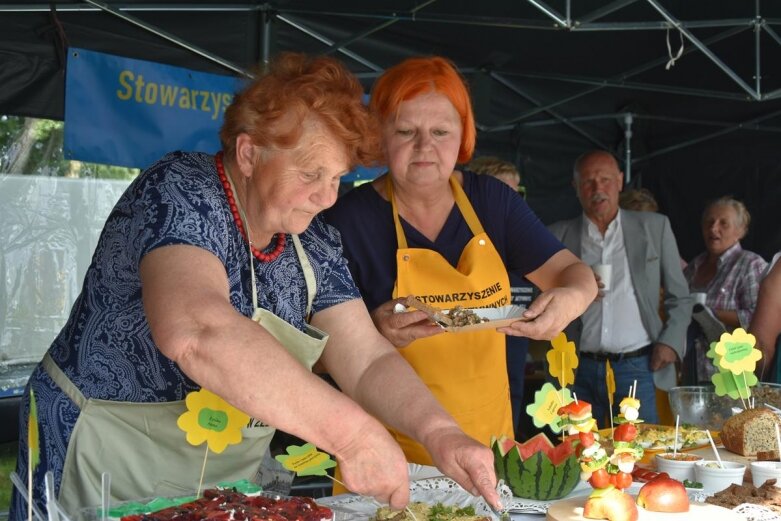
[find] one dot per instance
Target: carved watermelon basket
(536, 469)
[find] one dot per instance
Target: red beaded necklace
(281, 241)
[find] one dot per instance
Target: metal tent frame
(561, 17)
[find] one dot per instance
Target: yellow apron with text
(466, 372)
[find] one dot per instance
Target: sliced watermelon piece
(538, 443)
(561, 452)
(504, 444)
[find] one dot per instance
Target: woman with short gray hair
(727, 274)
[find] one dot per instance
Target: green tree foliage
(30, 146)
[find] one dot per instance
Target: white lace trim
(349, 507)
(756, 512)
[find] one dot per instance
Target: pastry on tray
(225, 505)
(420, 511)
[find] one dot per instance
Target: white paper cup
(762, 471)
(714, 478)
(604, 271)
(699, 298)
(676, 468)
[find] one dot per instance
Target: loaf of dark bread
(751, 431)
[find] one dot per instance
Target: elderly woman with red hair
(214, 272)
(449, 236)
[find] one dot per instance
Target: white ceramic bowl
(761, 471)
(715, 478)
(677, 468)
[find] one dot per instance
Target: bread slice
(767, 455)
(751, 431)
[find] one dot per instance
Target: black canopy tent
(549, 79)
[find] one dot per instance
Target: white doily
(756, 512)
(349, 507)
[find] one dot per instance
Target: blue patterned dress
(106, 348)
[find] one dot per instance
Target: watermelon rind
(504, 444)
(499, 463)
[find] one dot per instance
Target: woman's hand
(402, 328)
(466, 461)
(547, 316)
(386, 385)
(372, 464)
(568, 285)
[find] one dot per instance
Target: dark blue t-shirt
(365, 221)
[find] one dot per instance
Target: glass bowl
(699, 405)
(766, 393)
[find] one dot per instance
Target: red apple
(611, 504)
(663, 494)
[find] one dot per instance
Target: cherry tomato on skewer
(599, 479)
(625, 432)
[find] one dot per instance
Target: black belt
(616, 357)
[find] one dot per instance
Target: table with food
(720, 460)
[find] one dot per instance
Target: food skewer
(608, 475)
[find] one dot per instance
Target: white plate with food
(458, 320)
(662, 438)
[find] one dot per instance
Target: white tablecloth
(427, 484)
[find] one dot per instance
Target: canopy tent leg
(628, 118)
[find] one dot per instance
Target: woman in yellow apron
(449, 238)
(213, 272)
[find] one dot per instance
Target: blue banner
(130, 113)
(364, 173)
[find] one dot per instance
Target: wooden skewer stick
(435, 314)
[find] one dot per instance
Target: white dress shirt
(611, 324)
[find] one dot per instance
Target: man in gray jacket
(623, 325)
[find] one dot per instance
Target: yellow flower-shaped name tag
(211, 419)
(306, 460)
(562, 360)
(737, 352)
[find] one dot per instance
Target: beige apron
(140, 443)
